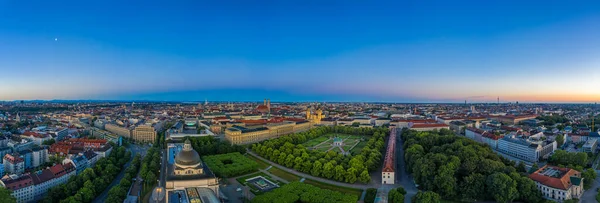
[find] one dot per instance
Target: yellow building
(242, 135)
(120, 131)
(316, 119)
(144, 133)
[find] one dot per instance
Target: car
(239, 189)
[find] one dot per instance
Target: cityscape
(299, 102)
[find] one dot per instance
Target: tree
(534, 168)
(501, 187)
(364, 177)
(317, 168)
(528, 191)
(395, 197)
(473, 187)
(328, 170)
(340, 173)
(351, 175)
(48, 142)
(5, 196)
(427, 197)
(521, 167)
(371, 194)
(589, 175)
(560, 140)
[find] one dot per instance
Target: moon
(55, 39)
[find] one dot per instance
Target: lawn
(345, 190)
(347, 147)
(283, 174)
(316, 141)
(349, 141)
(358, 148)
(261, 164)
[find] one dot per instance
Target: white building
(525, 149)
(21, 186)
(590, 145)
(13, 164)
(39, 156)
(33, 187)
(558, 184)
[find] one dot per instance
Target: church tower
(308, 113)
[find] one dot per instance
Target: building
(79, 161)
(5, 151)
(144, 133)
(21, 186)
(513, 119)
(389, 163)
(526, 149)
(118, 130)
(188, 177)
(92, 157)
(314, 118)
(238, 134)
(428, 126)
(39, 156)
(37, 138)
(590, 146)
(27, 157)
(558, 184)
(382, 121)
(13, 164)
(61, 134)
(34, 186)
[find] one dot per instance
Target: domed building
(187, 162)
(188, 178)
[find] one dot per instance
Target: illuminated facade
(243, 135)
(144, 133)
(314, 118)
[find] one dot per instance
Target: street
(406, 181)
(134, 150)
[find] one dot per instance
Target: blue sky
(405, 51)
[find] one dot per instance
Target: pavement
(589, 196)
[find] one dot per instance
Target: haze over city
(301, 51)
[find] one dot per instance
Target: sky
(386, 51)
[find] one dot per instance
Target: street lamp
(158, 194)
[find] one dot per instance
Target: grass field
(349, 141)
(358, 148)
(345, 190)
(261, 164)
(283, 174)
(316, 141)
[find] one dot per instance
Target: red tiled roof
(562, 182)
(388, 163)
(16, 184)
(34, 134)
(13, 159)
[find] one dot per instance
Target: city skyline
(335, 51)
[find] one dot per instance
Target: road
(102, 197)
(589, 196)
(405, 180)
(163, 171)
